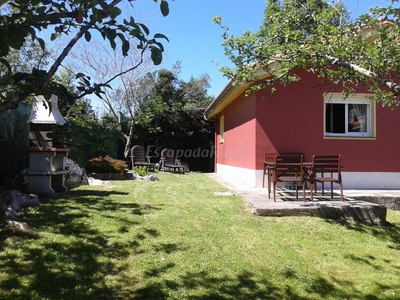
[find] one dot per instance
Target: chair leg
(341, 191)
(304, 191)
(269, 175)
(274, 191)
(311, 189)
(263, 177)
(269, 191)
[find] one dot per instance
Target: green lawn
(174, 239)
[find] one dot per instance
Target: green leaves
(320, 38)
(88, 36)
(115, 12)
(164, 7)
(22, 19)
(156, 55)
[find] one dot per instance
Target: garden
(175, 239)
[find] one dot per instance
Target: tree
(322, 39)
(26, 58)
(121, 101)
(172, 117)
(21, 20)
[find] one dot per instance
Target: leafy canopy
(23, 20)
(320, 37)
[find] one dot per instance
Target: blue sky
(196, 42)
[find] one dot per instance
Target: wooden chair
(139, 158)
(326, 168)
(288, 168)
(269, 162)
(168, 161)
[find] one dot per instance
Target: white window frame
(353, 99)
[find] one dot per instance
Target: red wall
(291, 121)
(239, 144)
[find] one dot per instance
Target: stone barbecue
(46, 173)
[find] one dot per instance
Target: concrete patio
(368, 206)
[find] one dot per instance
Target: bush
(141, 170)
(105, 165)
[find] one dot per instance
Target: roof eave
(228, 94)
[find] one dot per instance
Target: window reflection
(357, 118)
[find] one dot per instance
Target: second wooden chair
(288, 168)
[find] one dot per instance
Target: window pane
(357, 118)
(335, 121)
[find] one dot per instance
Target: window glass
(358, 118)
(350, 117)
(335, 114)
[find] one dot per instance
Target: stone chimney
(44, 118)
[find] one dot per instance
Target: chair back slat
(138, 154)
(168, 155)
(289, 165)
(288, 168)
(327, 163)
(326, 169)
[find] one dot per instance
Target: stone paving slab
(359, 205)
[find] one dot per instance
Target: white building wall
(351, 180)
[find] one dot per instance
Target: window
(351, 117)
(221, 130)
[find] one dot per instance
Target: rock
(17, 226)
(130, 175)
(151, 178)
(77, 175)
(135, 176)
(109, 176)
(11, 202)
(93, 181)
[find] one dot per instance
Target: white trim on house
(351, 180)
(247, 176)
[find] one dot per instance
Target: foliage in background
(84, 141)
(105, 164)
(172, 116)
(22, 20)
(321, 38)
(119, 103)
(14, 145)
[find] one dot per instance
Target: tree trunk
(128, 142)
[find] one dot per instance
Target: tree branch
(389, 84)
(71, 44)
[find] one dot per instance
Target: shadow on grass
(245, 285)
(76, 264)
(390, 232)
(88, 266)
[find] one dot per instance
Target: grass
(174, 239)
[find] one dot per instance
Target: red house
(300, 119)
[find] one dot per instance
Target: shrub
(105, 165)
(141, 170)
